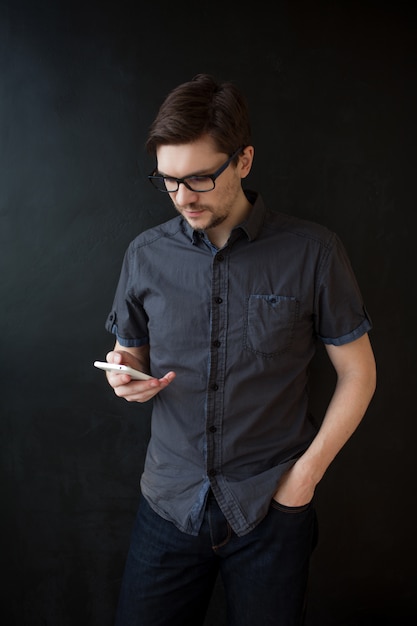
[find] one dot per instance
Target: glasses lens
(200, 183)
(194, 183)
(158, 182)
(170, 184)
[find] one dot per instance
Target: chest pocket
(269, 324)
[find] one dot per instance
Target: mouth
(193, 212)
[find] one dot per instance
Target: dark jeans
(170, 575)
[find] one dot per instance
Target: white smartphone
(122, 369)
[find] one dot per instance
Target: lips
(193, 212)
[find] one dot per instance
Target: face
(221, 207)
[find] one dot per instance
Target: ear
(246, 160)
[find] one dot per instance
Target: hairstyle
(202, 106)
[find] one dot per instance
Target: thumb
(114, 357)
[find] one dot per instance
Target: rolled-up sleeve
(127, 319)
(341, 316)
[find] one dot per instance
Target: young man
(223, 306)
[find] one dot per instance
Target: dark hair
(202, 106)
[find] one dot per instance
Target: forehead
(188, 158)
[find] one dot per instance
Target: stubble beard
(215, 215)
(214, 220)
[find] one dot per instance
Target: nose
(185, 196)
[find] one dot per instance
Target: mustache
(193, 207)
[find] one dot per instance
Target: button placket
(217, 363)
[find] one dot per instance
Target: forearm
(346, 409)
(356, 380)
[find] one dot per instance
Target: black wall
(332, 91)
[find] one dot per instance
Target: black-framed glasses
(169, 184)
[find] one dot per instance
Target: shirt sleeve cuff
(354, 334)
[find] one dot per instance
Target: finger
(168, 378)
(118, 380)
(128, 386)
(142, 391)
(126, 393)
(114, 357)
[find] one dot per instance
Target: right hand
(134, 390)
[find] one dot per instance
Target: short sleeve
(127, 318)
(341, 316)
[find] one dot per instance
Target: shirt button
(216, 343)
(220, 257)
(214, 387)
(212, 472)
(219, 300)
(212, 429)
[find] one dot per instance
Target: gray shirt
(239, 327)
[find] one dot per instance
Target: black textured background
(332, 92)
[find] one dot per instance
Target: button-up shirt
(239, 326)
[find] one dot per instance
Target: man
(223, 306)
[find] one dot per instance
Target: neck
(219, 235)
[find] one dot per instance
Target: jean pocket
(269, 324)
(289, 509)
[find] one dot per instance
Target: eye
(198, 179)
